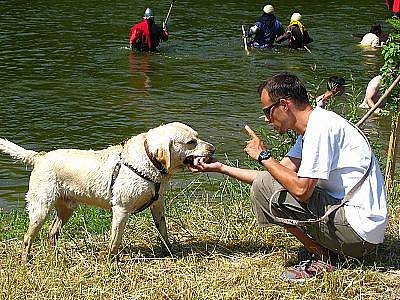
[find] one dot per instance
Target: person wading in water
(146, 35)
(296, 33)
(266, 29)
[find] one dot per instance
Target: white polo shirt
(333, 151)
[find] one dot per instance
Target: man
(373, 38)
(296, 33)
(372, 94)
(328, 159)
(266, 29)
(335, 87)
(146, 35)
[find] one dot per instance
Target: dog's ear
(163, 155)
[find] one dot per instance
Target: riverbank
(221, 253)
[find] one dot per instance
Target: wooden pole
(169, 11)
(392, 152)
(245, 40)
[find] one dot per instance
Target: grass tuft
(221, 253)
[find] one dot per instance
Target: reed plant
(220, 252)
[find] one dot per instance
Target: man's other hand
(255, 145)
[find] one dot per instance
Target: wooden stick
(245, 40)
(377, 104)
(308, 49)
(169, 11)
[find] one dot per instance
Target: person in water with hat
(265, 29)
(296, 33)
(146, 35)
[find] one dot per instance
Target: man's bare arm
(285, 172)
(244, 175)
(291, 163)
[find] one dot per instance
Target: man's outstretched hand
(199, 165)
(255, 145)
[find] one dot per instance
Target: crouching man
(328, 191)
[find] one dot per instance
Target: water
(67, 79)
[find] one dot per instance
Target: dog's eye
(192, 142)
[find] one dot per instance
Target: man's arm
(284, 172)
(291, 163)
(164, 33)
(371, 93)
(254, 29)
(283, 37)
(244, 175)
(301, 188)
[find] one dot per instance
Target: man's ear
(163, 155)
(285, 103)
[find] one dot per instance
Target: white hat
(296, 17)
(268, 9)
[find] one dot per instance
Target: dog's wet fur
(64, 178)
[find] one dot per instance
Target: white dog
(125, 178)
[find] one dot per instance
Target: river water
(67, 79)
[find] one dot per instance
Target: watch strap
(264, 155)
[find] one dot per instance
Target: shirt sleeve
(296, 149)
(317, 153)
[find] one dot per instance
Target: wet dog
(125, 179)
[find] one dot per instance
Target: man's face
(274, 112)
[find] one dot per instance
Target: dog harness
(156, 164)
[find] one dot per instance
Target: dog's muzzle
(189, 160)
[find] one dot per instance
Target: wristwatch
(264, 155)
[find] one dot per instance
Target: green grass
(221, 253)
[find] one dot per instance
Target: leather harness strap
(346, 198)
(156, 164)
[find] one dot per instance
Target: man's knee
(261, 187)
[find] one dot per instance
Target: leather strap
(294, 222)
(154, 161)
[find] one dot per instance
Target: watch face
(263, 155)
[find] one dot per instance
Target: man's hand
(255, 145)
(164, 27)
(199, 165)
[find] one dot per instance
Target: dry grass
(221, 253)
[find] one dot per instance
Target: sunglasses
(267, 110)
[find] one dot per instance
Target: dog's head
(176, 144)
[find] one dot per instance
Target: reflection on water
(67, 79)
(139, 68)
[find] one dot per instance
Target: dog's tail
(29, 157)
